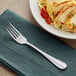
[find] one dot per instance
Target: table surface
(21, 7)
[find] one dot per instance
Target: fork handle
(58, 63)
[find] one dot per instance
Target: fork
(19, 38)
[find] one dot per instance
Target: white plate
(36, 13)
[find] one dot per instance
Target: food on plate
(59, 13)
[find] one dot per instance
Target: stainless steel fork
(19, 38)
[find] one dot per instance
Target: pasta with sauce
(59, 13)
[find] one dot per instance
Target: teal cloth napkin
(24, 59)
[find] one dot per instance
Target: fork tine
(11, 33)
(15, 29)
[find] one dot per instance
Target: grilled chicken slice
(63, 16)
(55, 6)
(73, 19)
(70, 15)
(66, 7)
(60, 7)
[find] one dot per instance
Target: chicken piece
(54, 5)
(63, 16)
(60, 7)
(73, 19)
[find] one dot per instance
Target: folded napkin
(25, 60)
